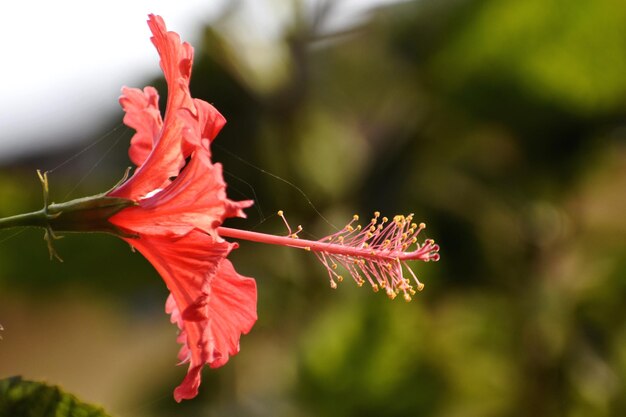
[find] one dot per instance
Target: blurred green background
(501, 124)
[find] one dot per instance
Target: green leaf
(19, 398)
(557, 50)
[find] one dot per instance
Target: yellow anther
(355, 217)
(340, 278)
(280, 213)
(412, 291)
(307, 248)
(334, 266)
(349, 228)
(422, 225)
(375, 288)
(333, 284)
(358, 227)
(420, 286)
(407, 297)
(359, 283)
(340, 238)
(385, 219)
(377, 214)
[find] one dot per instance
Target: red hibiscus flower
(172, 208)
(178, 207)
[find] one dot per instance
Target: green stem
(34, 219)
(88, 214)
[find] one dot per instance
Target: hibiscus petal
(196, 199)
(209, 118)
(180, 206)
(176, 62)
(184, 355)
(231, 313)
(188, 265)
(204, 126)
(232, 309)
(142, 114)
(168, 154)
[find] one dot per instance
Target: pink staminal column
(377, 253)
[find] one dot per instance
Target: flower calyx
(86, 214)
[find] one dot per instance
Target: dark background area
(500, 124)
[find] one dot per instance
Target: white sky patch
(64, 61)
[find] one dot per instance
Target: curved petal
(203, 126)
(167, 156)
(231, 309)
(180, 205)
(176, 62)
(231, 312)
(210, 119)
(142, 114)
(196, 199)
(188, 264)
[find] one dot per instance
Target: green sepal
(87, 214)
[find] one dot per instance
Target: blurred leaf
(365, 357)
(571, 53)
(19, 398)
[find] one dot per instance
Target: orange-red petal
(196, 199)
(181, 201)
(230, 312)
(143, 115)
(168, 153)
